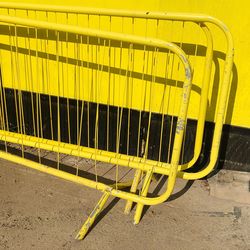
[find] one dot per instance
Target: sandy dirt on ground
(38, 211)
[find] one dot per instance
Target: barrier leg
(89, 222)
(144, 192)
(133, 189)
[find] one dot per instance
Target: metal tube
(203, 100)
(133, 189)
(139, 207)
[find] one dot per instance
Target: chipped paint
(180, 125)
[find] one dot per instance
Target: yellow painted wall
(234, 14)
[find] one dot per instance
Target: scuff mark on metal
(180, 125)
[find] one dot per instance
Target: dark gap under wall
(235, 143)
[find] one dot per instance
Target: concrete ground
(38, 211)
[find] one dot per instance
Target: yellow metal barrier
(50, 12)
(92, 18)
(48, 44)
(21, 63)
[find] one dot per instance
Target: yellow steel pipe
(203, 100)
(220, 115)
(133, 189)
(98, 208)
(85, 152)
(175, 16)
(91, 219)
(144, 192)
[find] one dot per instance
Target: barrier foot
(133, 189)
(139, 207)
(91, 219)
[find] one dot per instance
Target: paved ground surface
(42, 212)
